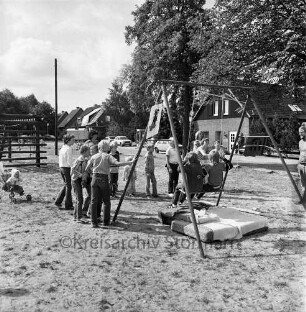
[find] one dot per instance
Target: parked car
(110, 138)
(163, 145)
(123, 140)
(49, 137)
(255, 149)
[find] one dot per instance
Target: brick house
(220, 121)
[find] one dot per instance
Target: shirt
(115, 169)
(65, 156)
(149, 162)
(100, 163)
(172, 154)
(302, 147)
(78, 168)
(215, 173)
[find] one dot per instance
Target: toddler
(131, 190)
(13, 182)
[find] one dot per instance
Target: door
(232, 137)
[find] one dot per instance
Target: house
(99, 121)
(220, 117)
(87, 112)
(61, 117)
(70, 121)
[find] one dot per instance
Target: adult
(92, 142)
(302, 160)
(172, 166)
(65, 164)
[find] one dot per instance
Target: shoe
(170, 195)
(148, 196)
(132, 195)
(58, 205)
(81, 221)
(155, 196)
(172, 206)
(94, 225)
(106, 224)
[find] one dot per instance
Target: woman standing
(65, 164)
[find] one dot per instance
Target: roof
(273, 99)
(73, 114)
(270, 99)
(61, 117)
(96, 117)
(88, 110)
(88, 116)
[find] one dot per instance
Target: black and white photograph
(152, 155)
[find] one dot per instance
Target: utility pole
(55, 130)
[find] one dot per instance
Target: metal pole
(194, 84)
(278, 151)
(130, 175)
(233, 149)
(196, 230)
(55, 121)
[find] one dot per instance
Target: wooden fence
(20, 140)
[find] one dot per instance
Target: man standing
(302, 160)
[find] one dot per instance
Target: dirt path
(50, 263)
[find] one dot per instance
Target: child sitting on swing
(214, 178)
(195, 177)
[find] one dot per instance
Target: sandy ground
(50, 263)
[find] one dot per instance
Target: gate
(17, 140)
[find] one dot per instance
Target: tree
(118, 108)
(257, 40)
(10, 104)
(162, 32)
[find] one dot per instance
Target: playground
(49, 262)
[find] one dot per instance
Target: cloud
(86, 37)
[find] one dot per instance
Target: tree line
(11, 104)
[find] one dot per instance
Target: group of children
(203, 168)
(93, 176)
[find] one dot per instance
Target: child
(202, 152)
(149, 171)
(195, 177)
(215, 173)
(220, 150)
(13, 182)
(65, 164)
(77, 171)
(131, 190)
(99, 164)
(172, 166)
(114, 170)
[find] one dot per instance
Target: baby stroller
(11, 184)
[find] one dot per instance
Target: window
(295, 108)
(215, 108)
(225, 107)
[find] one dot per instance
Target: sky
(85, 36)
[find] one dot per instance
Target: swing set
(250, 98)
